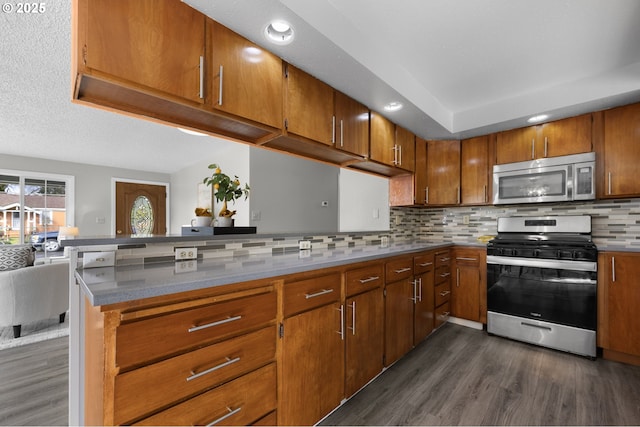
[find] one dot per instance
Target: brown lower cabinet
(468, 290)
(618, 302)
(285, 350)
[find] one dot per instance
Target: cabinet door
(309, 108)
(443, 172)
(465, 294)
(382, 139)
(149, 43)
(622, 151)
(517, 145)
(622, 299)
(246, 79)
(312, 366)
(424, 306)
(567, 136)
(352, 125)
(475, 171)
(364, 336)
(398, 320)
(406, 149)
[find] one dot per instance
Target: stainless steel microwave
(552, 179)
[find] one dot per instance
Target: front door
(140, 209)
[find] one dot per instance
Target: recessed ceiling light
(279, 32)
(393, 106)
(192, 132)
(538, 118)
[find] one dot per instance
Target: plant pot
(223, 221)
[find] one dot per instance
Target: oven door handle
(557, 264)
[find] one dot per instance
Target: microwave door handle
(570, 182)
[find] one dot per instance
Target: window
(32, 208)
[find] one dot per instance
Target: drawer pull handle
(461, 258)
(426, 264)
(369, 279)
(317, 294)
(445, 259)
(215, 368)
(445, 274)
(219, 322)
(402, 270)
(225, 416)
(444, 293)
(445, 314)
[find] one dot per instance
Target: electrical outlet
(384, 241)
(186, 253)
(305, 253)
(304, 244)
(465, 219)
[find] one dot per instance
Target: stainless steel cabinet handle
(201, 92)
(458, 194)
(444, 293)
(485, 194)
(445, 259)
(613, 269)
(426, 196)
(609, 186)
(457, 277)
(445, 274)
(353, 318)
(221, 74)
(333, 130)
(224, 417)
(546, 141)
(402, 270)
(533, 149)
(215, 368)
(216, 323)
(317, 294)
(341, 133)
(369, 279)
(341, 331)
(400, 157)
(425, 264)
(461, 258)
(415, 291)
(420, 289)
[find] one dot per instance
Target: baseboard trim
(468, 323)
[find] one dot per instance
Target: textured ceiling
(462, 67)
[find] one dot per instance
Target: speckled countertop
(110, 285)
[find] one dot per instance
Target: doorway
(140, 208)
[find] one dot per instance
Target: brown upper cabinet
(476, 170)
(246, 79)
(351, 125)
(391, 147)
(620, 152)
(158, 45)
(440, 182)
(559, 138)
(309, 106)
(405, 149)
(383, 140)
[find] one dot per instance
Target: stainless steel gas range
(542, 281)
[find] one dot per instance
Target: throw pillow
(13, 257)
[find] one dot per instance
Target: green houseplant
(225, 189)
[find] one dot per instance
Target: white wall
(93, 186)
(233, 159)
(362, 198)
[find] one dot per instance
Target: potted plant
(225, 190)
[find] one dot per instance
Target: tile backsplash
(615, 223)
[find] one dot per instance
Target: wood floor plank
(461, 376)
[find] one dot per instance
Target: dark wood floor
(461, 376)
(34, 384)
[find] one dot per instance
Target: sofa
(28, 292)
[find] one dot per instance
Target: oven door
(530, 185)
(562, 292)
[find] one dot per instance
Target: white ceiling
(461, 67)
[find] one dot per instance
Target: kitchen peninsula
(254, 334)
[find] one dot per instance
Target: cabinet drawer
(398, 269)
(443, 293)
(155, 338)
(362, 279)
(240, 402)
(442, 314)
(443, 258)
(307, 294)
(443, 274)
(423, 263)
(467, 257)
(144, 390)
